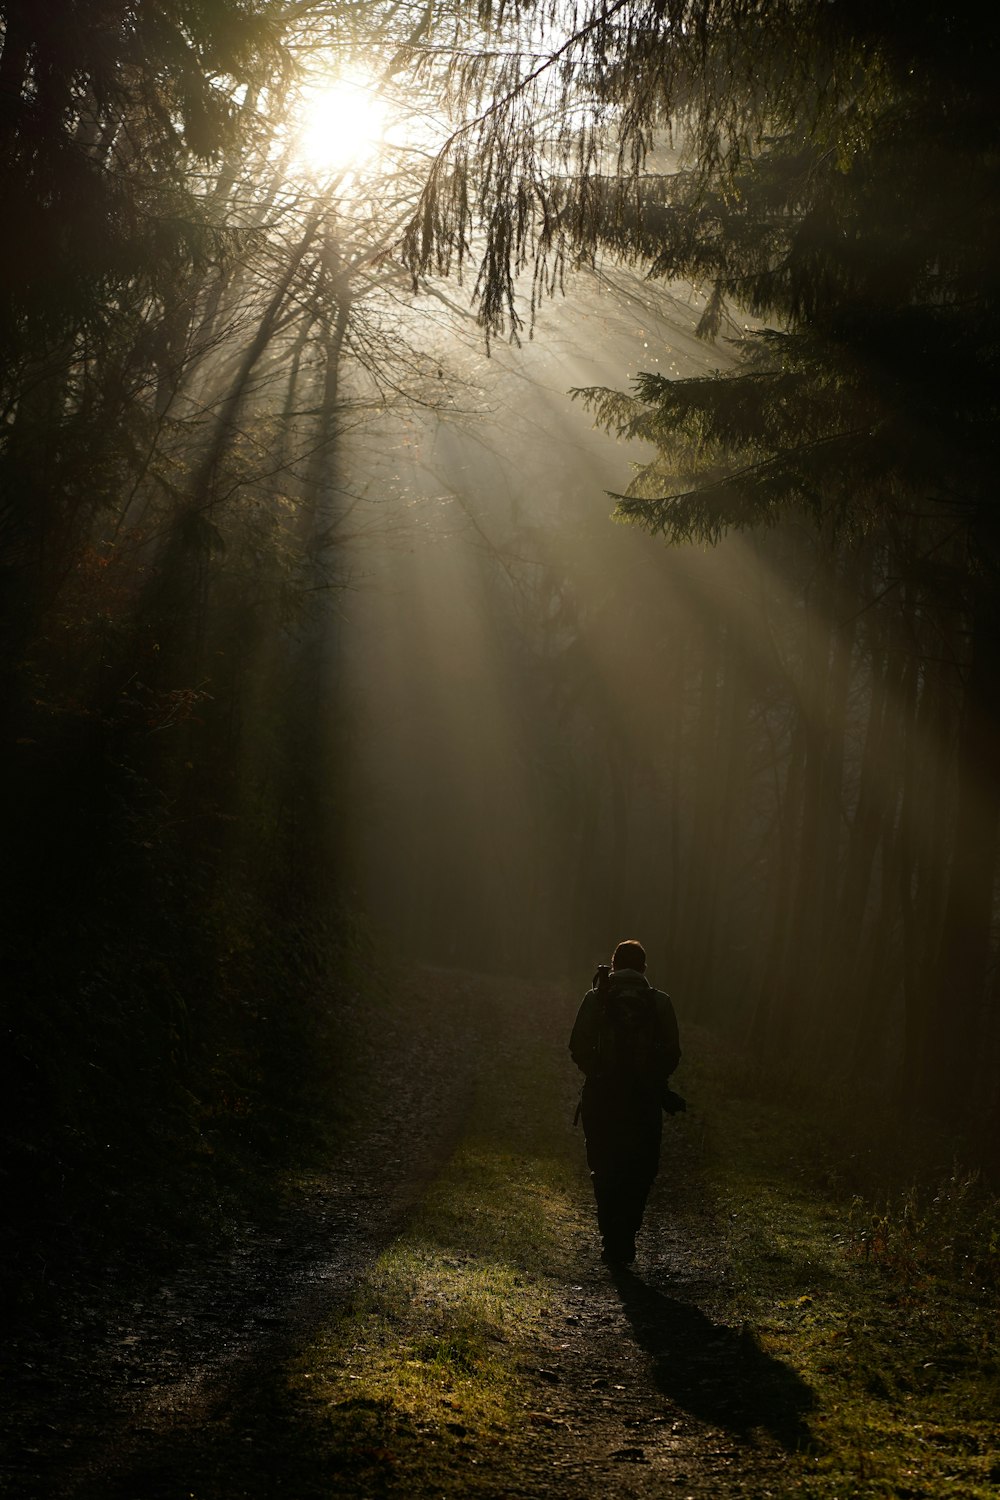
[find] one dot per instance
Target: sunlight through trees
(309, 597)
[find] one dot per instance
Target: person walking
(625, 1042)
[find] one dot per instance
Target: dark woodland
(571, 518)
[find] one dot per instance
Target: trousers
(623, 1126)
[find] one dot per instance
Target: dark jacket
(591, 1044)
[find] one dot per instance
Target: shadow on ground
(718, 1374)
(236, 1453)
(258, 1441)
(201, 1401)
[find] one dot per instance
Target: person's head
(629, 955)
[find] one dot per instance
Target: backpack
(626, 1030)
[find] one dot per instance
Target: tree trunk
(950, 1062)
(811, 857)
(695, 919)
(730, 763)
(846, 983)
(768, 1028)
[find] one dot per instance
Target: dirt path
(644, 1383)
(135, 1398)
(649, 1388)
(638, 1385)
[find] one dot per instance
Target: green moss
(878, 1294)
(424, 1375)
(885, 1303)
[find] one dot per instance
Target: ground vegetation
(429, 1315)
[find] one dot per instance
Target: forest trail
(221, 1386)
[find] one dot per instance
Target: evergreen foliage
(188, 325)
(829, 174)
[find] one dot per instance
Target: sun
(342, 126)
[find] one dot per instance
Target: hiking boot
(618, 1253)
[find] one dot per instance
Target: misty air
(500, 604)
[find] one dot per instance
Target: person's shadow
(718, 1374)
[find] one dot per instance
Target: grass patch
(426, 1375)
(884, 1299)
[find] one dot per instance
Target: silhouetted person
(625, 1042)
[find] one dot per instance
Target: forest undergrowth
(867, 1255)
(836, 1282)
(180, 1048)
(813, 1311)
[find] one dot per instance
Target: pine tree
(829, 175)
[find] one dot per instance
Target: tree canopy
(197, 326)
(829, 174)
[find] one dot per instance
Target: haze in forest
(320, 645)
(496, 667)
